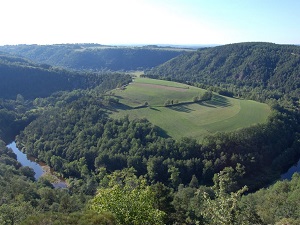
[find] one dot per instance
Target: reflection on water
(37, 167)
(61, 184)
(25, 161)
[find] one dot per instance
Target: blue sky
(149, 21)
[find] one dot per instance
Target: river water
(36, 166)
(39, 171)
(294, 169)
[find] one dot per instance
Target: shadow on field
(218, 101)
(181, 108)
(206, 104)
(155, 109)
(162, 132)
(118, 96)
(121, 106)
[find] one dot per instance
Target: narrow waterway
(39, 171)
(294, 169)
(38, 167)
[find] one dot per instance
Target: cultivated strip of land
(186, 119)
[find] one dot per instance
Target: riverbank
(294, 169)
(55, 180)
(40, 168)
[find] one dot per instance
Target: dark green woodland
(94, 56)
(124, 171)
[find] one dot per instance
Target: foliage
(253, 70)
(278, 203)
(224, 208)
(15, 212)
(188, 205)
(163, 196)
(20, 197)
(21, 79)
(129, 199)
(95, 57)
(74, 133)
(79, 139)
(78, 218)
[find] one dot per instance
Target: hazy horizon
(149, 22)
(188, 46)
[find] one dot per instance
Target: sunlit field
(185, 118)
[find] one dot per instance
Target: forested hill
(264, 66)
(20, 77)
(95, 56)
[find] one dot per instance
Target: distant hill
(258, 66)
(95, 56)
(30, 80)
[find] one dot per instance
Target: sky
(176, 22)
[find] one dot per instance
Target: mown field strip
(187, 119)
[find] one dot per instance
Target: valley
(144, 141)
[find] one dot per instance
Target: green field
(186, 119)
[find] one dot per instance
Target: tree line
(254, 70)
(95, 57)
(30, 81)
(78, 139)
(111, 161)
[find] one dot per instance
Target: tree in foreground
(225, 208)
(14, 212)
(76, 218)
(129, 199)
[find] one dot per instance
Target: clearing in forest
(146, 98)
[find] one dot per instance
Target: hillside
(95, 56)
(188, 118)
(107, 157)
(30, 80)
(263, 67)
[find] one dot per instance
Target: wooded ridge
(96, 57)
(269, 70)
(122, 171)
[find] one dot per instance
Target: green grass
(156, 93)
(188, 119)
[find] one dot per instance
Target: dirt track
(162, 87)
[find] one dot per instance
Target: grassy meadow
(187, 119)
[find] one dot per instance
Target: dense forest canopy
(116, 164)
(29, 80)
(81, 135)
(270, 70)
(96, 57)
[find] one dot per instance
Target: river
(38, 167)
(39, 171)
(294, 169)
